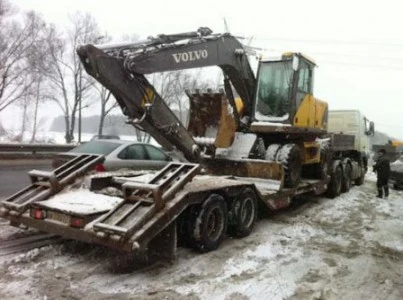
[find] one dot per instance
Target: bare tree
(19, 42)
(38, 95)
(172, 86)
(108, 103)
(71, 83)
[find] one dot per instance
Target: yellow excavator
(277, 119)
(265, 147)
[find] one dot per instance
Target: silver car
(119, 154)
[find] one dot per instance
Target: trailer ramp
(143, 200)
(47, 183)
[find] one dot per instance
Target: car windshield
(96, 147)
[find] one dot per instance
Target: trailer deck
(148, 209)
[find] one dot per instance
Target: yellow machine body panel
(311, 153)
(312, 113)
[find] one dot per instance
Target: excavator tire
(243, 213)
(347, 174)
(272, 151)
(290, 157)
(209, 225)
(334, 186)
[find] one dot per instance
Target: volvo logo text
(190, 56)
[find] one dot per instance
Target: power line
(362, 65)
(386, 125)
(343, 62)
(330, 41)
(359, 56)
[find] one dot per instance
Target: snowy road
(347, 248)
(14, 174)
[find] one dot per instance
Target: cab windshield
(273, 89)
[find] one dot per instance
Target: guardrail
(16, 151)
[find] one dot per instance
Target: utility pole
(79, 121)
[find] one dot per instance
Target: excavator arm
(122, 70)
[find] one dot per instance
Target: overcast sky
(357, 44)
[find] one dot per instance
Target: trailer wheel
(346, 182)
(210, 225)
(244, 213)
(334, 186)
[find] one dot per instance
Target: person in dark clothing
(382, 169)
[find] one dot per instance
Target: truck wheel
(334, 186)
(346, 182)
(290, 157)
(360, 180)
(210, 225)
(244, 213)
(321, 170)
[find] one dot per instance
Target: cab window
(304, 79)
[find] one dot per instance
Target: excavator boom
(139, 101)
(122, 69)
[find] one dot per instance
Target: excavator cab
(285, 93)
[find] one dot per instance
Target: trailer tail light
(76, 222)
(100, 168)
(38, 213)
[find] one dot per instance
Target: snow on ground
(350, 247)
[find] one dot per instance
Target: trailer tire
(347, 174)
(244, 213)
(334, 186)
(210, 224)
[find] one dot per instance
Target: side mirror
(371, 128)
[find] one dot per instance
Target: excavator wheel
(243, 213)
(290, 157)
(209, 225)
(271, 152)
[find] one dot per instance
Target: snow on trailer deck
(81, 202)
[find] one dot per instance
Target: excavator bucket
(211, 119)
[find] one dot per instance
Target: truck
(353, 123)
(257, 151)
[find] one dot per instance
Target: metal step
(143, 200)
(47, 183)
